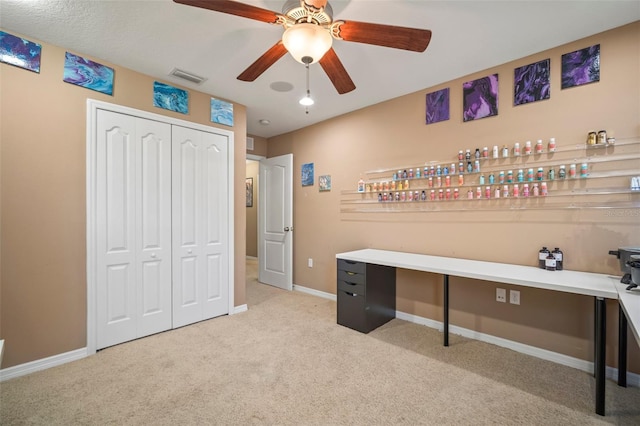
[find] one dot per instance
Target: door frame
(256, 158)
(92, 118)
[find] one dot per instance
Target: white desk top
(630, 302)
(585, 283)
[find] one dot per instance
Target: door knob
(189, 251)
(153, 255)
(286, 229)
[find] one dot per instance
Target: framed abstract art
(480, 98)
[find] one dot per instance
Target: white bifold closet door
(133, 227)
(200, 242)
(162, 254)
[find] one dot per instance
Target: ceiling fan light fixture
(311, 40)
(307, 100)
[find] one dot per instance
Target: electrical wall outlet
(501, 295)
(310, 263)
(514, 297)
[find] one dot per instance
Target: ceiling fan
(309, 32)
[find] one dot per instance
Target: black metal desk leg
(600, 360)
(622, 348)
(446, 310)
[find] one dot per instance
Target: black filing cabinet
(366, 295)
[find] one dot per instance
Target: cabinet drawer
(351, 287)
(351, 277)
(352, 311)
(352, 266)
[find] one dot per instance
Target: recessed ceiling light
(264, 122)
(281, 86)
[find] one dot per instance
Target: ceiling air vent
(176, 72)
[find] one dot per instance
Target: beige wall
(252, 212)
(393, 133)
(259, 146)
(43, 274)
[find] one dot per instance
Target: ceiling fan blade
(269, 58)
(336, 72)
(413, 39)
(234, 8)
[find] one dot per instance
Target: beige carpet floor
(286, 362)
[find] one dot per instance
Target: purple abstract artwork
(581, 67)
(88, 74)
(19, 52)
(480, 98)
(531, 83)
(438, 106)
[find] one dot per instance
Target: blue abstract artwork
(221, 112)
(581, 67)
(531, 83)
(480, 98)
(438, 106)
(307, 174)
(19, 52)
(171, 98)
(88, 74)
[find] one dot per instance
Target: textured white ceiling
(155, 36)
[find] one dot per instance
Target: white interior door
(200, 225)
(133, 219)
(275, 222)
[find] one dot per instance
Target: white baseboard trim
(239, 309)
(580, 364)
(41, 364)
(314, 292)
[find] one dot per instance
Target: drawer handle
(351, 294)
(348, 283)
(350, 262)
(351, 273)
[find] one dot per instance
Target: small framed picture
(249, 184)
(88, 74)
(480, 98)
(581, 67)
(307, 174)
(437, 106)
(170, 97)
(324, 183)
(531, 83)
(20, 52)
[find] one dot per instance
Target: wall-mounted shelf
(603, 182)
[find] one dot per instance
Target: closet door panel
(187, 226)
(115, 234)
(200, 221)
(133, 177)
(153, 220)
(215, 215)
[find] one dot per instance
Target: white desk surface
(585, 283)
(630, 302)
